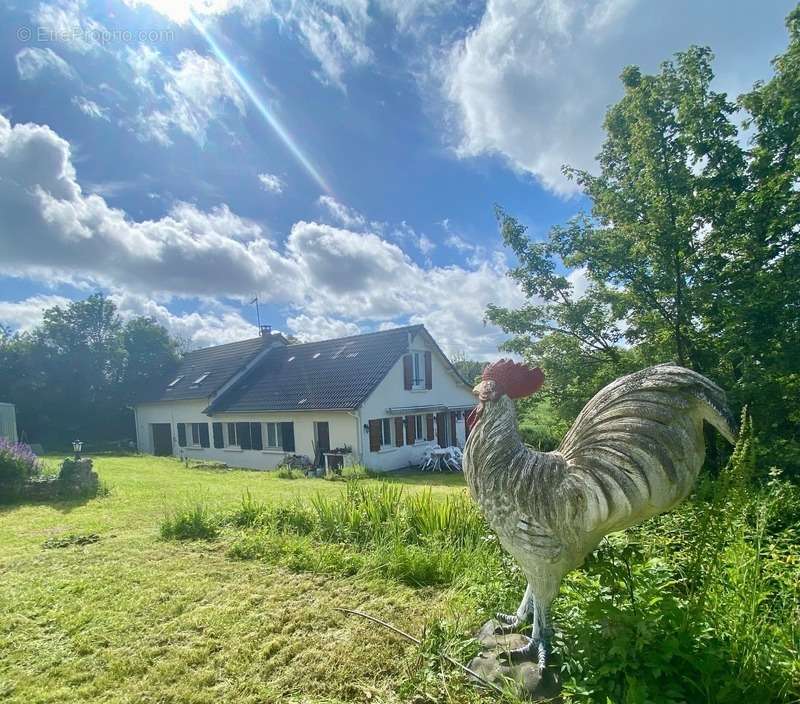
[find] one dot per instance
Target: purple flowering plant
(18, 463)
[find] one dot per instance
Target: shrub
(195, 522)
(18, 464)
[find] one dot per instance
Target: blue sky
(340, 159)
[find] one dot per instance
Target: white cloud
(32, 62)
(64, 22)
(187, 95)
(459, 243)
(320, 327)
(579, 280)
(180, 11)
(27, 314)
(341, 213)
(90, 108)
(332, 279)
(333, 31)
(271, 183)
(69, 234)
(214, 324)
(532, 81)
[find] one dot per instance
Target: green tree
(689, 251)
(759, 268)
(150, 354)
(469, 369)
(77, 374)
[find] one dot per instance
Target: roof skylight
(316, 354)
(291, 359)
(200, 379)
(175, 381)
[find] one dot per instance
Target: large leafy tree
(78, 372)
(689, 250)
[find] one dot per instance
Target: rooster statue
(634, 452)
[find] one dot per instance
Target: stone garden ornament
(634, 451)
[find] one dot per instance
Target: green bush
(191, 522)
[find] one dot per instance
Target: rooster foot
(533, 648)
(509, 623)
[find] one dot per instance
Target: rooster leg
(511, 623)
(538, 644)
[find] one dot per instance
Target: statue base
(525, 677)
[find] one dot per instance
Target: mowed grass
(134, 618)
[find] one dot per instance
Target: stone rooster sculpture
(634, 451)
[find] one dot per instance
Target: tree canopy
(77, 373)
(689, 251)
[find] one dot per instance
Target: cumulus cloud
(53, 230)
(331, 279)
(533, 79)
(271, 183)
(214, 324)
(90, 108)
(319, 327)
(27, 314)
(32, 62)
(187, 95)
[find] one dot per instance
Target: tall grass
(191, 522)
(415, 539)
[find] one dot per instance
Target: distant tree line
(76, 374)
(690, 249)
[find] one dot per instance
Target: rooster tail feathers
(713, 401)
(642, 435)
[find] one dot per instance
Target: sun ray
(260, 105)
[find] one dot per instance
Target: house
(388, 396)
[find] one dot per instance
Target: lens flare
(260, 105)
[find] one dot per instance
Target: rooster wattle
(633, 452)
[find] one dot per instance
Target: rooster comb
(514, 379)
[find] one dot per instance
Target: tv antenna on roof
(258, 312)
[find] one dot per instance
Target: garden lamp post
(76, 446)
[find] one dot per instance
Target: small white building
(8, 422)
(386, 396)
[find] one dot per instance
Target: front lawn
(698, 605)
(133, 618)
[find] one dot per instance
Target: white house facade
(381, 398)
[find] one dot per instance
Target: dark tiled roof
(220, 363)
(332, 374)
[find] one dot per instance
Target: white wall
(446, 391)
(341, 425)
